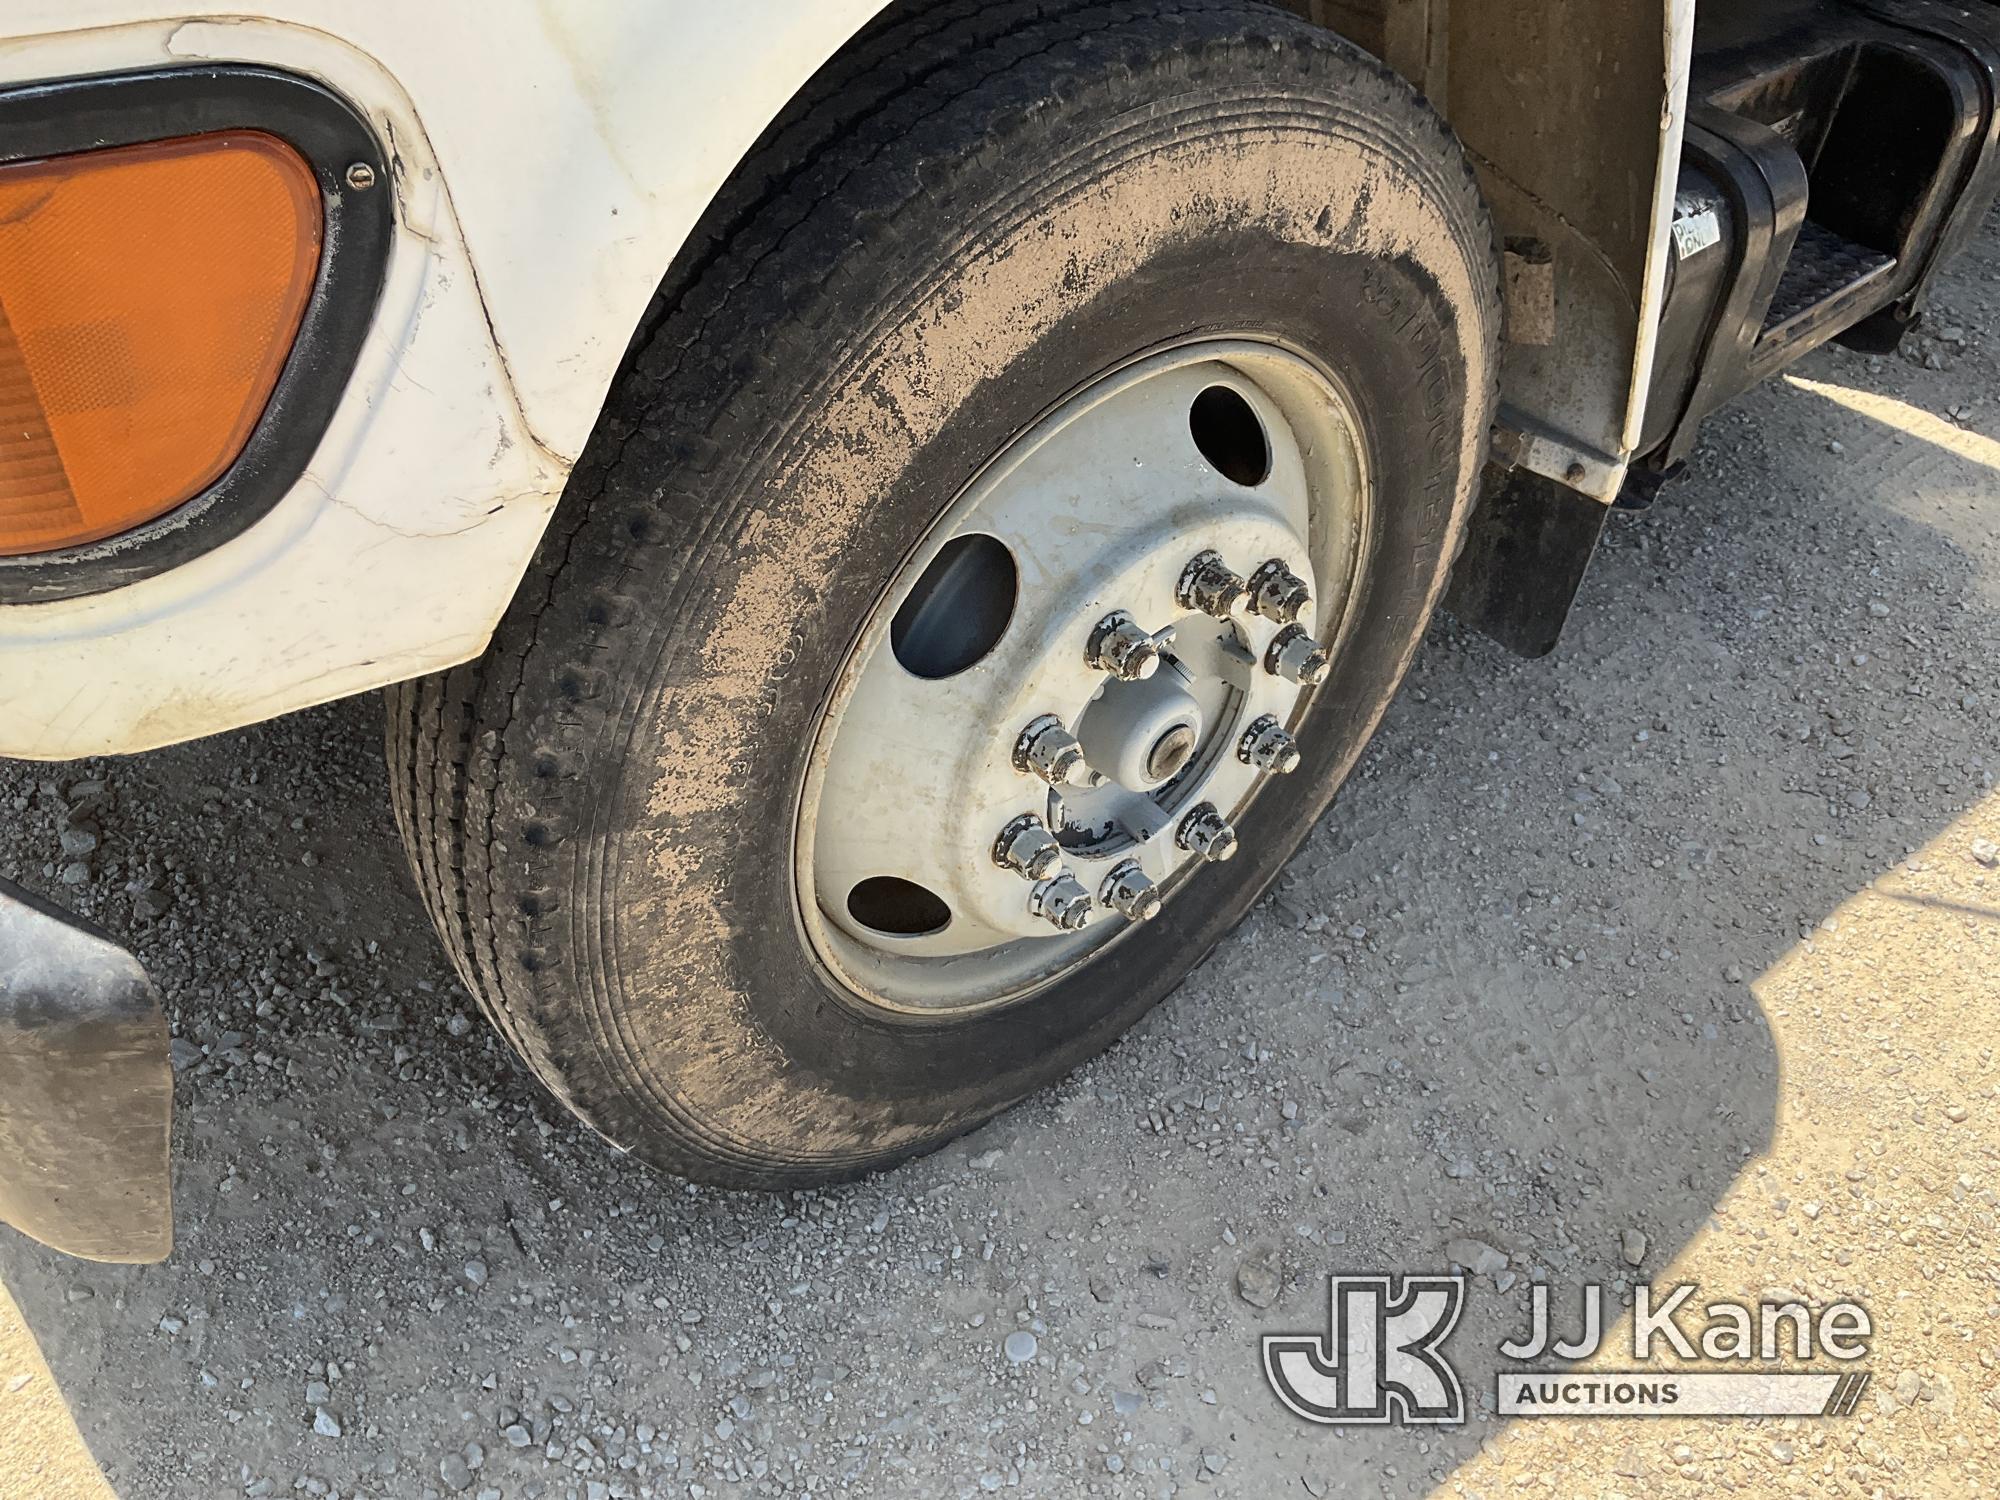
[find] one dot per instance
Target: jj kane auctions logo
(1382, 1358)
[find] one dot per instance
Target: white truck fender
(549, 161)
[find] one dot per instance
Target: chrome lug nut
(1028, 849)
(1279, 594)
(1062, 902)
(1128, 891)
(1211, 586)
(1267, 746)
(1297, 657)
(1120, 646)
(1205, 832)
(1048, 750)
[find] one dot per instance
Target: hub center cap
(1170, 752)
(1140, 734)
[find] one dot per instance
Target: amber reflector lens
(148, 298)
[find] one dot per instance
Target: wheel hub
(1170, 752)
(1140, 734)
(1154, 627)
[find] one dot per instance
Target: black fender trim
(128, 109)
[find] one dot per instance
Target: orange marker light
(148, 298)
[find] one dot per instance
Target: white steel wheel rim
(1100, 507)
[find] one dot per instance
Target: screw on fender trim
(1062, 902)
(1128, 891)
(1267, 746)
(1210, 585)
(1296, 657)
(1028, 849)
(1279, 594)
(1121, 646)
(361, 177)
(1048, 750)
(1205, 832)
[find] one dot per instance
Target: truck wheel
(986, 570)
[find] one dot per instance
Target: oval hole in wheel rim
(1230, 436)
(901, 908)
(958, 610)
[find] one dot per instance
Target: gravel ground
(1678, 947)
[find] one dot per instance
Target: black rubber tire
(978, 210)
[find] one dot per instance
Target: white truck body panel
(553, 158)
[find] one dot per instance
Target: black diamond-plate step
(1823, 266)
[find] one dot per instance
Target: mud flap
(1530, 542)
(86, 1090)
